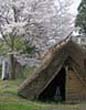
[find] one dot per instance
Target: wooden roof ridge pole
(53, 49)
(65, 40)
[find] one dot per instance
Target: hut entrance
(56, 89)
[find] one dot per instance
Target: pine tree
(81, 17)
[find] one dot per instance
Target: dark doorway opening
(56, 89)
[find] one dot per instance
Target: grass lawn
(9, 100)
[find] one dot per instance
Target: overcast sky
(74, 6)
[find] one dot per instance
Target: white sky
(74, 6)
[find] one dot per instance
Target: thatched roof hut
(60, 77)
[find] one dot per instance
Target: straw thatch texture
(56, 58)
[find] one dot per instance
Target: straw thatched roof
(64, 54)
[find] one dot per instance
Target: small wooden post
(66, 90)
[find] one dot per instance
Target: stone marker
(5, 70)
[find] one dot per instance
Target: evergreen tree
(81, 17)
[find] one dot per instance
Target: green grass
(13, 106)
(9, 100)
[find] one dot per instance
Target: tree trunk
(12, 67)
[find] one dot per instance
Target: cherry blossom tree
(13, 18)
(40, 22)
